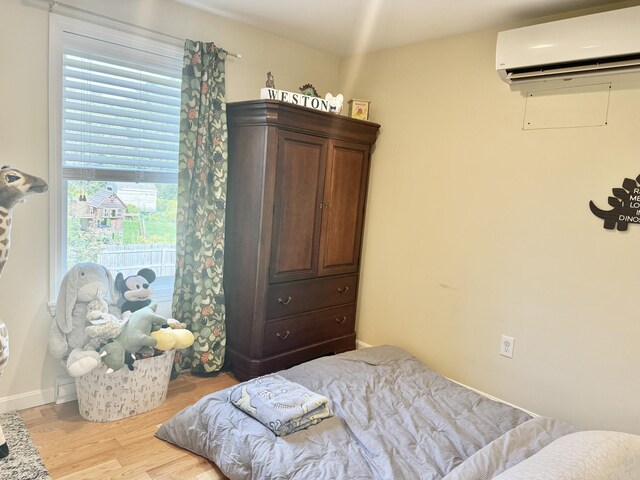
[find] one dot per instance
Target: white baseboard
(26, 400)
(360, 345)
(65, 387)
(491, 397)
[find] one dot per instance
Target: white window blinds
(120, 112)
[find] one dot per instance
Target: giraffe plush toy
(15, 186)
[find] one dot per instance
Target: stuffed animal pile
(91, 330)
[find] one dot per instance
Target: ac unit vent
(597, 44)
(616, 64)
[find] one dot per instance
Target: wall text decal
(625, 203)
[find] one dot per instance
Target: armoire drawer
(286, 299)
(289, 333)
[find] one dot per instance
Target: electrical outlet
(506, 346)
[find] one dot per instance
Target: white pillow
(587, 455)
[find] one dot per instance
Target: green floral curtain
(198, 298)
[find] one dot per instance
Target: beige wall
(24, 287)
(477, 228)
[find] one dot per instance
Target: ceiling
(344, 27)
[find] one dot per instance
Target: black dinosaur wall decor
(625, 203)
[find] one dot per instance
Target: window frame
(59, 27)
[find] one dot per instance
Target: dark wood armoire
(297, 187)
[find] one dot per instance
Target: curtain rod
(53, 5)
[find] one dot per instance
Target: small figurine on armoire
(270, 83)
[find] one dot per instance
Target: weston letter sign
(316, 103)
(625, 203)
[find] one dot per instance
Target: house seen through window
(119, 129)
(122, 225)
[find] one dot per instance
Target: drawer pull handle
(343, 290)
(341, 320)
(285, 302)
(284, 335)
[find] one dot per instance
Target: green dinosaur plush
(134, 337)
(112, 355)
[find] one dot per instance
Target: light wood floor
(73, 448)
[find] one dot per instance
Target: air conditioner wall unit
(597, 44)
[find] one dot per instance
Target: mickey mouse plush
(135, 289)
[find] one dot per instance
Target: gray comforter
(394, 419)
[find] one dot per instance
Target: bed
(394, 418)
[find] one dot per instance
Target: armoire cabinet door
(345, 190)
(300, 172)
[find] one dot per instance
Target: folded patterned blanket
(279, 404)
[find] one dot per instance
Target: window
(115, 115)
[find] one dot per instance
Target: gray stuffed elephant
(82, 284)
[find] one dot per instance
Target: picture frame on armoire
(359, 109)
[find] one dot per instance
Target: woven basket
(106, 397)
